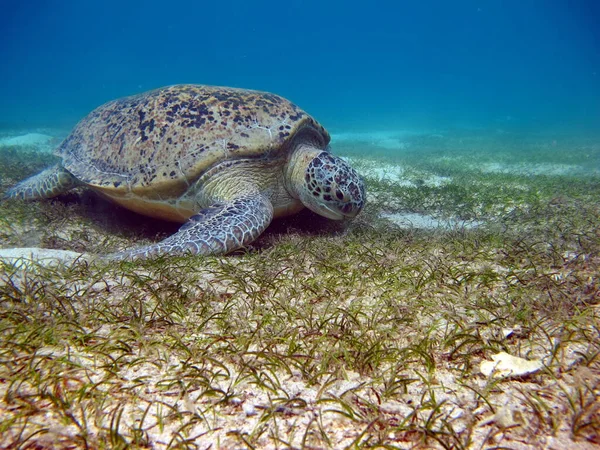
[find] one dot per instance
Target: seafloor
(474, 245)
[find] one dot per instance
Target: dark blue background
(491, 63)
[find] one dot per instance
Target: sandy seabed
(321, 340)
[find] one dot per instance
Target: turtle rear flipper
(219, 229)
(47, 184)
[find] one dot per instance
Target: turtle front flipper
(221, 228)
(49, 183)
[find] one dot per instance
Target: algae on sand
(369, 337)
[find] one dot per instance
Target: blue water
(532, 64)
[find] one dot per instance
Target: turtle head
(327, 185)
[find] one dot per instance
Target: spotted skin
(331, 181)
(218, 229)
(46, 184)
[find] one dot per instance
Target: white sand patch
(414, 220)
(390, 140)
(436, 180)
(366, 136)
(530, 169)
(396, 174)
(42, 142)
(392, 144)
(27, 257)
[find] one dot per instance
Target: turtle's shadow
(116, 220)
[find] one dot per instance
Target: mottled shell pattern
(167, 138)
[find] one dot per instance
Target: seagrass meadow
(370, 334)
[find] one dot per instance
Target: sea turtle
(223, 161)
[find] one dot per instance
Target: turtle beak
(352, 213)
(326, 211)
(351, 210)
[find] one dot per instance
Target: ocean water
(433, 64)
(475, 125)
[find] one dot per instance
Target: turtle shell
(163, 140)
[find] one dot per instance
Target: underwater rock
(504, 365)
(505, 417)
(249, 409)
